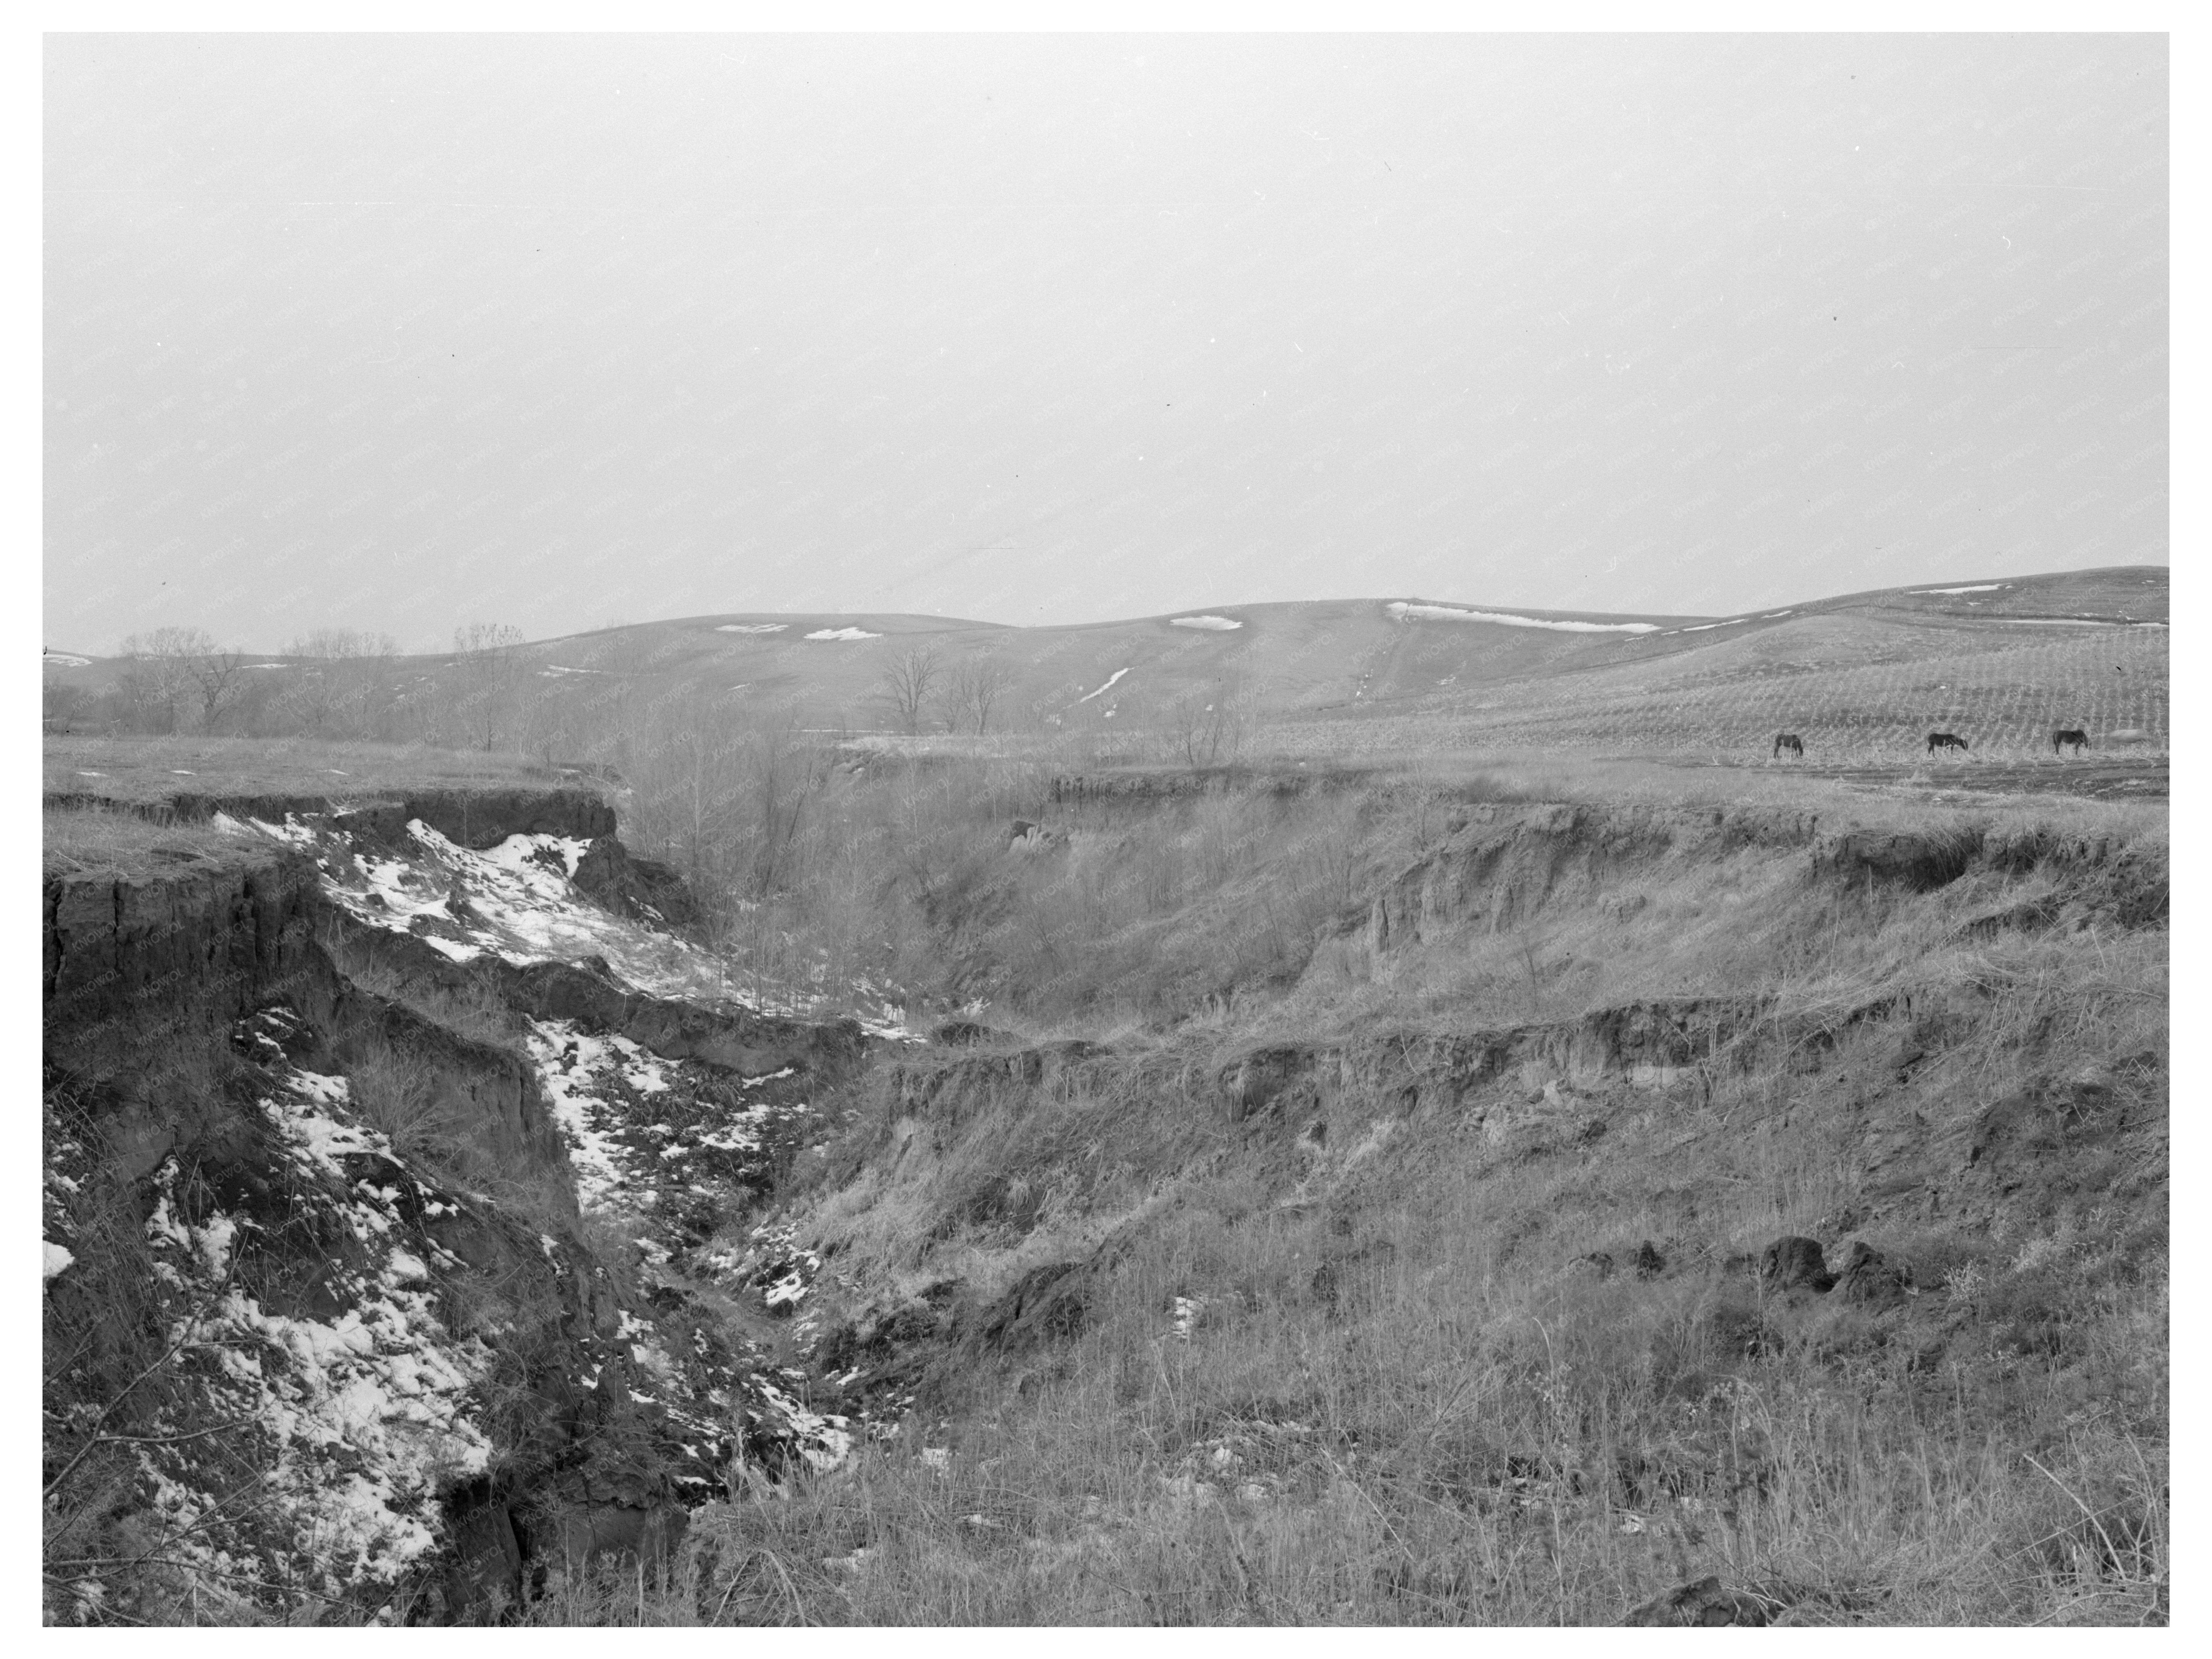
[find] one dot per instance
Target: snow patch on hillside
(646, 1133)
(752, 627)
(1975, 588)
(518, 901)
(823, 1440)
(1209, 623)
(1404, 609)
(65, 659)
(843, 633)
(1102, 689)
(515, 900)
(360, 1421)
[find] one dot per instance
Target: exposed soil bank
(214, 1077)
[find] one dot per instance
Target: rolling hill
(1997, 658)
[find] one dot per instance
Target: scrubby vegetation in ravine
(1403, 1202)
(1362, 1221)
(1451, 1283)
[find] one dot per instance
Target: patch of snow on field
(1705, 627)
(1975, 587)
(66, 659)
(1109, 686)
(1403, 610)
(752, 627)
(1210, 623)
(58, 1260)
(843, 633)
(2071, 622)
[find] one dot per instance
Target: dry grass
(146, 769)
(470, 1005)
(100, 843)
(1152, 912)
(399, 1094)
(1402, 1400)
(1455, 1424)
(1856, 690)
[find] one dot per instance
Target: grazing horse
(2074, 735)
(1790, 741)
(1944, 740)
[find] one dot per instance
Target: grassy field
(93, 842)
(1856, 690)
(141, 769)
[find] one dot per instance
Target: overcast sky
(398, 332)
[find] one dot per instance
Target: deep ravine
(398, 1162)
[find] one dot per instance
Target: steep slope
(385, 1168)
(1840, 1278)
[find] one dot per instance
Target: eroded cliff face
(1502, 865)
(211, 928)
(387, 1168)
(992, 1198)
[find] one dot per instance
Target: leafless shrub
(973, 687)
(908, 686)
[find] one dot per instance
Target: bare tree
(1206, 727)
(63, 705)
(904, 689)
(215, 679)
(173, 670)
(975, 686)
(737, 806)
(788, 774)
(344, 681)
(491, 676)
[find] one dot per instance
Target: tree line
(335, 683)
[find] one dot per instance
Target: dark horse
(1790, 741)
(1944, 740)
(2079, 738)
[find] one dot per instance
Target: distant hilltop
(1417, 657)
